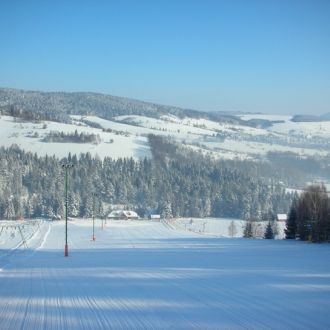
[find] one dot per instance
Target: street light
(66, 167)
(93, 237)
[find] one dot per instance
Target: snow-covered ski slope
(143, 275)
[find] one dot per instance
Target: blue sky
(261, 56)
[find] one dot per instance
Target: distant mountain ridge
(59, 105)
(311, 118)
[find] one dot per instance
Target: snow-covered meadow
(145, 275)
(29, 136)
(126, 136)
(223, 227)
(286, 126)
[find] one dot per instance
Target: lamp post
(66, 167)
(93, 237)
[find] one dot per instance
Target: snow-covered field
(261, 149)
(265, 117)
(144, 275)
(225, 227)
(112, 145)
(306, 129)
(126, 136)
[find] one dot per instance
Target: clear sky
(260, 56)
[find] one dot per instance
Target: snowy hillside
(29, 136)
(143, 275)
(304, 129)
(221, 140)
(287, 126)
(123, 125)
(126, 136)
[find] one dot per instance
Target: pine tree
(74, 205)
(166, 211)
(218, 188)
(29, 208)
(87, 206)
(9, 208)
(312, 211)
(269, 234)
(248, 230)
(291, 222)
(232, 229)
(207, 207)
(49, 212)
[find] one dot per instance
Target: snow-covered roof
(282, 217)
(115, 213)
(123, 213)
(130, 214)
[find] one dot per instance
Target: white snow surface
(198, 134)
(112, 145)
(259, 148)
(265, 117)
(305, 129)
(128, 136)
(144, 275)
(195, 126)
(288, 127)
(225, 227)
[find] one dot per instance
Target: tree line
(62, 137)
(309, 215)
(174, 183)
(58, 106)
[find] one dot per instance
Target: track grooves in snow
(145, 275)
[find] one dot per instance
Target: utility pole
(66, 167)
(93, 237)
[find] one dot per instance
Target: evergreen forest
(174, 183)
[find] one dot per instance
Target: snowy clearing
(28, 136)
(144, 275)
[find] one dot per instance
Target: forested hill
(173, 183)
(58, 106)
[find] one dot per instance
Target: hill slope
(59, 105)
(122, 124)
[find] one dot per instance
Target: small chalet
(154, 217)
(281, 217)
(123, 215)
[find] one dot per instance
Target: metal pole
(93, 238)
(66, 248)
